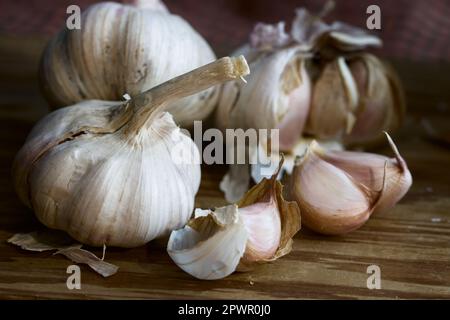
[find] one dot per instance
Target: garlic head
(106, 173)
(126, 49)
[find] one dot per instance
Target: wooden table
(410, 244)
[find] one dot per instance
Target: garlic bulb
(126, 49)
(258, 228)
(337, 191)
(283, 88)
(109, 173)
(355, 99)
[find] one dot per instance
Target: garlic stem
(155, 100)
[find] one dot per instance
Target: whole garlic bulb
(109, 173)
(337, 191)
(126, 49)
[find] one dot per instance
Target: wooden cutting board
(410, 244)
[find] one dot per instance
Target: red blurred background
(412, 30)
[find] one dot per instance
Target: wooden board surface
(410, 244)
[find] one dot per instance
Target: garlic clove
(270, 192)
(298, 88)
(211, 245)
(269, 96)
(258, 228)
(382, 105)
(329, 200)
(263, 226)
(356, 185)
(334, 100)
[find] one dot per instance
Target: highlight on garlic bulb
(105, 172)
(337, 191)
(126, 49)
(355, 99)
(259, 228)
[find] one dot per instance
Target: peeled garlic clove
(337, 191)
(96, 169)
(334, 101)
(382, 104)
(126, 49)
(216, 242)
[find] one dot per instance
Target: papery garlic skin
(124, 49)
(214, 248)
(337, 191)
(109, 173)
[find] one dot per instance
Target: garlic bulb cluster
(105, 172)
(257, 229)
(126, 49)
(313, 82)
(337, 191)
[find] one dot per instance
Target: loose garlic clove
(96, 169)
(258, 228)
(355, 185)
(126, 49)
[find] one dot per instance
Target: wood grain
(411, 243)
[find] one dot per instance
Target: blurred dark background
(414, 30)
(416, 38)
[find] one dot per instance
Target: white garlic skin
(115, 189)
(125, 49)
